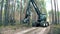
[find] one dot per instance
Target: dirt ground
(12, 29)
(54, 29)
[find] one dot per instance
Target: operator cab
(43, 17)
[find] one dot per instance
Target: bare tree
(6, 22)
(52, 12)
(21, 11)
(55, 11)
(2, 2)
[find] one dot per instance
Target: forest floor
(23, 30)
(12, 29)
(36, 30)
(54, 29)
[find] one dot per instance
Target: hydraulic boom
(41, 17)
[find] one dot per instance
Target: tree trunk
(1, 12)
(6, 21)
(55, 11)
(52, 12)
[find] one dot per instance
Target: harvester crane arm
(36, 9)
(28, 11)
(41, 21)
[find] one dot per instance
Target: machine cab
(43, 17)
